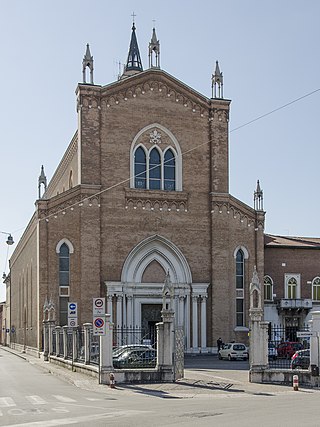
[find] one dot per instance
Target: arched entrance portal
(136, 301)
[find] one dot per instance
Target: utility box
(314, 370)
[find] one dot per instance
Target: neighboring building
(292, 280)
(141, 193)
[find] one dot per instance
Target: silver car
(233, 351)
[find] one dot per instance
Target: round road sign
(98, 302)
(73, 322)
(72, 306)
(98, 323)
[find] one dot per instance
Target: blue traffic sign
(98, 322)
(72, 306)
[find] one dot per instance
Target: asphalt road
(212, 393)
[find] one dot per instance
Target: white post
(106, 364)
(314, 340)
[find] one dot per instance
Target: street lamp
(9, 239)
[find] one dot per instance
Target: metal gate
(179, 353)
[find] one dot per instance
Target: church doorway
(150, 316)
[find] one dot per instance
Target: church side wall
(24, 290)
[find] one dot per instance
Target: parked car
(123, 348)
(136, 358)
(234, 351)
(272, 351)
(288, 348)
(300, 359)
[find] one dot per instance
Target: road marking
(36, 400)
(74, 420)
(5, 402)
(64, 398)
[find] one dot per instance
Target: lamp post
(9, 242)
(9, 239)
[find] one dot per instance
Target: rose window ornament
(155, 137)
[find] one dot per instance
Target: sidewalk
(197, 382)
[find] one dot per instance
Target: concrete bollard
(112, 380)
(295, 383)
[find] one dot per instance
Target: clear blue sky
(269, 55)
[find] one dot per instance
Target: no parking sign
(99, 326)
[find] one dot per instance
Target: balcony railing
(296, 303)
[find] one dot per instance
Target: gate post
(58, 351)
(87, 328)
(314, 340)
(106, 362)
(45, 340)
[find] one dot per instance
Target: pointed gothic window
(240, 288)
(140, 168)
(169, 171)
(268, 289)
(316, 289)
(154, 170)
(64, 281)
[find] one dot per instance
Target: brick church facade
(140, 195)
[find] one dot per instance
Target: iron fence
(283, 342)
(134, 347)
(94, 356)
(54, 342)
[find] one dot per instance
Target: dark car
(136, 358)
(300, 359)
(288, 348)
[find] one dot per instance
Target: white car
(233, 351)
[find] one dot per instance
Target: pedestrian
(219, 343)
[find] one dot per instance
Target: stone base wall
(284, 377)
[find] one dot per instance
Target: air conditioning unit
(239, 293)
(64, 291)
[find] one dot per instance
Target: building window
(64, 281)
(292, 286)
(240, 288)
(316, 289)
(140, 168)
(268, 289)
(169, 171)
(154, 170)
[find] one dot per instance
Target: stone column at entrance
(119, 310)
(203, 323)
(129, 311)
(109, 306)
(195, 343)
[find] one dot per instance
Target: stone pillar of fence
(258, 332)
(165, 345)
(314, 340)
(45, 340)
(65, 341)
(87, 327)
(51, 324)
(74, 344)
(58, 329)
(106, 364)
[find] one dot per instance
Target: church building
(141, 196)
